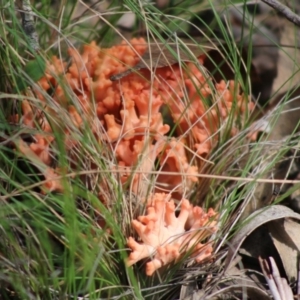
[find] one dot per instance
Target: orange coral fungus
(36, 155)
(166, 238)
(126, 114)
(172, 158)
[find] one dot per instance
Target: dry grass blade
(230, 291)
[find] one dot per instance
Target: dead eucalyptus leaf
(286, 238)
(159, 55)
(256, 219)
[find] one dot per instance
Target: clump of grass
(70, 244)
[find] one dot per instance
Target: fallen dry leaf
(286, 238)
(257, 219)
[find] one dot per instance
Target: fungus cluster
(166, 238)
(127, 115)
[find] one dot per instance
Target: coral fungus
(166, 238)
(126, 114)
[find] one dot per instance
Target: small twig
(278, 286)
(290, 15)
(28, 24)
(269, 278)
(278, 280)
